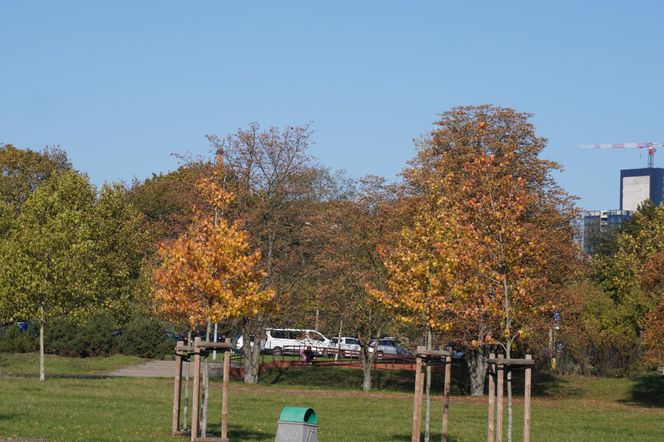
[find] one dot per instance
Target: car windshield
(352, 341)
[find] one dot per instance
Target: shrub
(146, 337)
(58, 334)
(93, 337)
(15, 340)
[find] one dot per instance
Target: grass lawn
(77, 408)
(27, 364)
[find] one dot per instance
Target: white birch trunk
(42, 319)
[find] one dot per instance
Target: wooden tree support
(496, 381)
(183, 352)
(424, 357)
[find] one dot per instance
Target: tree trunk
(186, 387)
(336, 356)
(252, 357)
(42, 319)
(185, 411)
(509, 393)
(42, 373)
(427, 414)
(206, 385)
(206, 397)
(508, 352)
(477, 366)
(367, 365)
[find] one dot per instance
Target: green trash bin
(297, 424)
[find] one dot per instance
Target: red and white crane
(652, 148)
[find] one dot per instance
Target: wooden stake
(492, 401)
(526, 403)
(499, 404)
(177, 388)
(417, 401)
(446, 395)
(224, 398)
(197, 390)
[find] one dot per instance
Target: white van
(280, 341)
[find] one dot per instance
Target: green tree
(71, 252)
(631, 287)
(121, 243)
(47, 259)
(22, 170)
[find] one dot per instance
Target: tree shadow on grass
(8, 416)
(647, 391)
(236, 432)
(57, 376)
(546, 384)
(397, 380)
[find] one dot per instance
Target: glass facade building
(601, 225)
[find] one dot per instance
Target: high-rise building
(599, 226)
(638, 185)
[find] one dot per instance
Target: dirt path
(149, 369)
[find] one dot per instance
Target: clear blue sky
(123, 84)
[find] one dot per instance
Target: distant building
(638, 185)
(599, 226)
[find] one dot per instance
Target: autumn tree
(209, 273)
(167, 200)
(509, 222)
(424, 268)
(652, 282)
(277, 186)
(349, 263)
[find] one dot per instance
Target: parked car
(389, 346)
(348, 346)
(238, 342)
(280, 341)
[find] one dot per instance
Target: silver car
(389, 346)
(349, 347)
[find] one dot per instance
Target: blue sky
(121, 85)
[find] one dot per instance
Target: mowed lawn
(78, 406)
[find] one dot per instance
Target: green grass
(110, 409)
(27, 364)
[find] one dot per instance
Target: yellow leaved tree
(209, 273)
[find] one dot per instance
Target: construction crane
(652, 147)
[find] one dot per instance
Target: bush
(14, 340)
(58, 334)
(94, 337)
(146, 337)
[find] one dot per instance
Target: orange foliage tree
(209, 272)
(653, 284)
(498, 229)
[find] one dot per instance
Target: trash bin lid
(298, 414)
